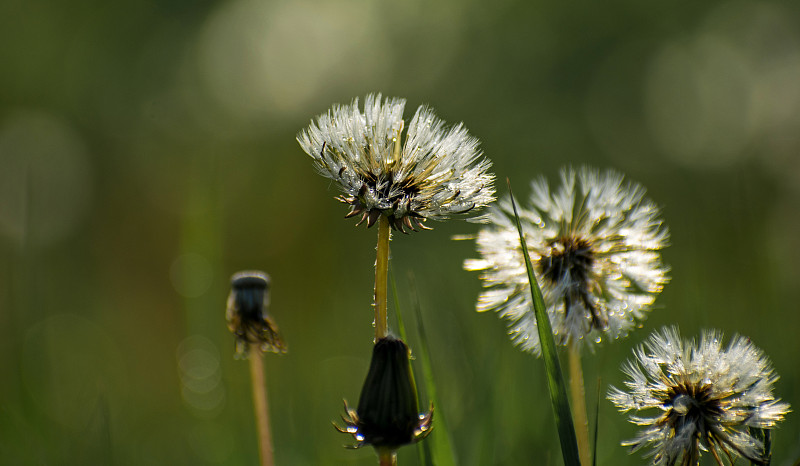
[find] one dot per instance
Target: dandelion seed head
(700, 396)
(595, 245)
(433, 173)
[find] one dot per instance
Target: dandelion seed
(704, 397)
(435, 174)
(594, 243)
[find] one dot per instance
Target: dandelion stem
(579, 403)
(387, 458)
(381, 277)
(261, 407)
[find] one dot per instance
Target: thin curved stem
(261, 407)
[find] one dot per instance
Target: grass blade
(437, 449)
(442, 445)
(423, 448)
(596, 423)
(555, 378)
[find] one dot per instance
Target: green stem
(381, 277)
(579, 403)
(387, 458)
(261, 407)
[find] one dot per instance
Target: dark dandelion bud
(388, 415)
(247, 314)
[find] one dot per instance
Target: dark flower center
(692, 404)
(398, 194)
(406, 188)
(569, 264)
(569, 261)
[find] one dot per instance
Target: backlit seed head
(427, 173)
(594, 243)
(693, 397)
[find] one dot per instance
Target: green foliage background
(147, 152)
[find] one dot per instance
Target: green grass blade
(596, 423)
(423, 448)
(555, 378)
(437, 449)
(401, 328)
(442, 445)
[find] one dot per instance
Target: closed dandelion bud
(247, 314)
(388, 415)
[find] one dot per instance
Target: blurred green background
(147, 152)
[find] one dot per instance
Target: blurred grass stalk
(577, 391)
(438, 450)
(596, 422)
(261, 407)
(555, 378)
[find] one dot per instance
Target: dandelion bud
(388, 415)
(247, 314)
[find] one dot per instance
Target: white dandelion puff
(594, 243)
(436, 173)
(703, 397)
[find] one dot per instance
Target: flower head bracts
(701, 397)
(436, 173)
(594, 243)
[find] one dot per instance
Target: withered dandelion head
(433, 173)
(247, 315)
(701, 397)
(594, 244)
(387, 416)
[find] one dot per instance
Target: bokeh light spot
(45, 180)
(264, 59)
(200, 375)
(698, 102)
